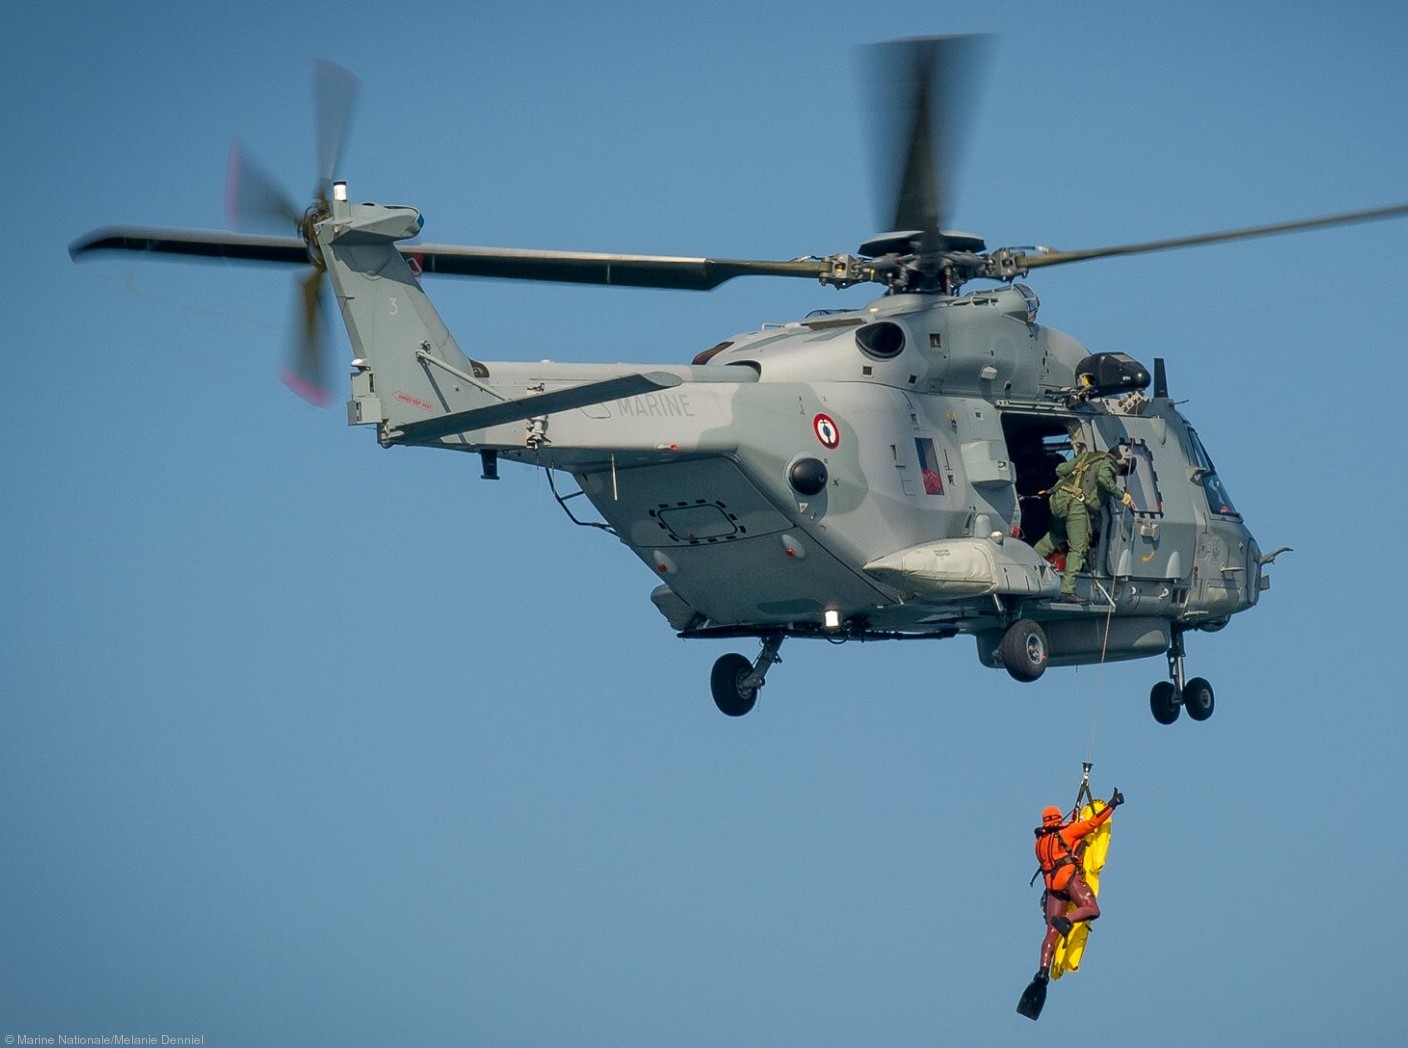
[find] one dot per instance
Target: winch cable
(1105, 639)
(1099, 687)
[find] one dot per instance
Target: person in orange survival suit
(1057, 851)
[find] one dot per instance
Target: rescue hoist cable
(1099, 688)
(1105, 638)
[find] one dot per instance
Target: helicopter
(870, 473)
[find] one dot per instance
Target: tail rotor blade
(254, 202)
(307, 370)
(334, 93)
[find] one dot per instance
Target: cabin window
(1142, 482)
(929, 465)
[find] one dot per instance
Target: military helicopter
(858, 474)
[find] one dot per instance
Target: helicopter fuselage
(855, 474)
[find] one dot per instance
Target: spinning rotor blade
(306, 373)
(253, 200)
(1056, 258)
(568, 267)
(334, 92)
(580, 267)
(921, 93)
(192, 243)
(921, 90)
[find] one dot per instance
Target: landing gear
(1164, 702)
(1023, 650)
(735, 681)
(1169, 696)
(1197, 699)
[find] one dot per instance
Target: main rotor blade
(921, 93)
(334, 92)
(568, 267)
(197, 243)
(580, 267)
(1056, 258)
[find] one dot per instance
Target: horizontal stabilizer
(528, 407)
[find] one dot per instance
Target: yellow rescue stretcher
(1071, 946)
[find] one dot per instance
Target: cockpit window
(1218, 500)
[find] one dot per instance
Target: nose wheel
(735, 681)
(1169, 697)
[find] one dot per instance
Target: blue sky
(310, 742)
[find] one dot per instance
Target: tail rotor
(256, 203)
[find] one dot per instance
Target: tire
(1024, 650)
(1198, 699)
(1163, 702)
(729, 671)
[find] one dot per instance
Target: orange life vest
(1056, 858)
(1058, 848)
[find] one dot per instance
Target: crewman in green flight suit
(1084, 484)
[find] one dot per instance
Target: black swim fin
(1033, 998)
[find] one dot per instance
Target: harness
(1081, 480)
(1048, 841)
(1048, 861)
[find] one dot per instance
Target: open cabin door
(1155, 538)
(1036, 445)
(1154, 541)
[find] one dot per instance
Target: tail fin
(409, 369)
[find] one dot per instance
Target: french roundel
(827, 431)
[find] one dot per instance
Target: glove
(1127, 499)
(1116, 798)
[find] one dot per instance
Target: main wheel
(1197, 696)
(1023, 650)
(1163, 701)
(726, 682)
